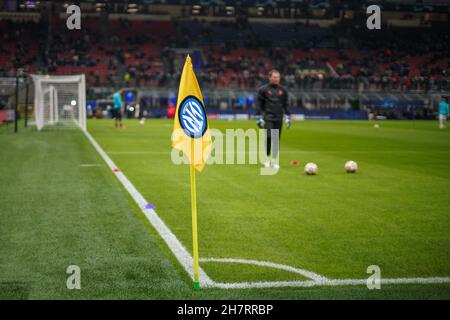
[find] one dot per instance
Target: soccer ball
(351, 166)
(311, 168)
(376, 126)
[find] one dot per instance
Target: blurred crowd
(148, 54)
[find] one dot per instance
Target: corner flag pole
(191, 126)
(194, 220)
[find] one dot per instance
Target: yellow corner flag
(190, 130)
(191, 136)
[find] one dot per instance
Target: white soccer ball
(376, 126)
(351, 166)
(311, 168)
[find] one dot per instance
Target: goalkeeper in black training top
(271, 106)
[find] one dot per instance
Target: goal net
(60, 101)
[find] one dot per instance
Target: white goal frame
(51, 105)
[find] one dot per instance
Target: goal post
(60, 101)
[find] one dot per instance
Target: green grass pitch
(394, 212)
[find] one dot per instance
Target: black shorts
(117, 114)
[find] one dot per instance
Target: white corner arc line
(308, 274)
(180, 252)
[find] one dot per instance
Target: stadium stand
(236, 55)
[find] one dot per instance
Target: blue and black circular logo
(192, 117)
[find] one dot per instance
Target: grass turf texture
(393, 212)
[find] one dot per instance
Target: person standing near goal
(271, 107)
(443, 112)
(117, 109)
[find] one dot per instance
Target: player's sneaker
(276, 166)
(267, 163)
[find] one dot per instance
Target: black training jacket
(272, 102)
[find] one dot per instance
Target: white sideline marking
(171, 240)
(287, 152)
(330, 282)
(308, 274)
(185, 259)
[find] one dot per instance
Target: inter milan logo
(192, 117)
